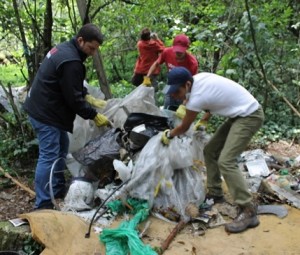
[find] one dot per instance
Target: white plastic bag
(124, 171)
(164, 175)
(80, 196)
(85, 130)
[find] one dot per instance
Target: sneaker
(216, 199)
(247, 218)
(45, 206)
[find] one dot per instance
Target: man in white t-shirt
(218, 95)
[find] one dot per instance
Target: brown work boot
(246, 218)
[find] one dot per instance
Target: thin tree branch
(34, 22)
(75, 15)
(70, 16)
(24, 41)
(257, 53)
(86, 18)
(16, 112)
(24, 76)
(101, 7)
(129, 2)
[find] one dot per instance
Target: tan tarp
(62, 233)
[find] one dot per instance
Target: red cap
(181, 43)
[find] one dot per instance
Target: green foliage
(121, 89)
(272, 132)
(11, 74)
(31, 247)
(15, 148)
(220, 36)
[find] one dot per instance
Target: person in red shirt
(176, 55)
(149, 47)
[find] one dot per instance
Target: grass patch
(11, 74)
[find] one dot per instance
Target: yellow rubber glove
(146, 81)
(101, 120)
(99, 103)
(200, 125)
(181, 111)
(165, 138)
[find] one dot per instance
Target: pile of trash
(165, 176)
(271, 178)
(126, 169)
(170, 178)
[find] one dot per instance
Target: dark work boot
(247, 218)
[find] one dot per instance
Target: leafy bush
(31, 247)
(18, 147)
(121, 89)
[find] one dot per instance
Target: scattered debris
(5, 196)
(21, 185)
(278, 210)
(18, 222)
(165, 245)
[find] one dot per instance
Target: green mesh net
(125, 239)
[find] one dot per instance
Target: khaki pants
(221, 153)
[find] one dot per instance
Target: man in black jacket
(56, 96)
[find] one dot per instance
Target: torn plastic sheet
(140, 100)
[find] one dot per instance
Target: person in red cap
(176, 55)
(149, 47)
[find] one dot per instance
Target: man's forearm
(185, 124)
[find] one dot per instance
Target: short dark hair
(90, 32)
(145, 34)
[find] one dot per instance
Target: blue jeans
(53, 144)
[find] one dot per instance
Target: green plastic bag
(125, 240)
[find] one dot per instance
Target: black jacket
(57, 93)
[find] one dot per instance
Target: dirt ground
(272, 236)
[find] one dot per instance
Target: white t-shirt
(220, 96)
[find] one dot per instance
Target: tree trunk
(48, 22)
(97, 58)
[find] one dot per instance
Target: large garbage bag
(140, 127)
(137, 118)
(99, 153)
(85, 130)
(139, 100)
(164, 175)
